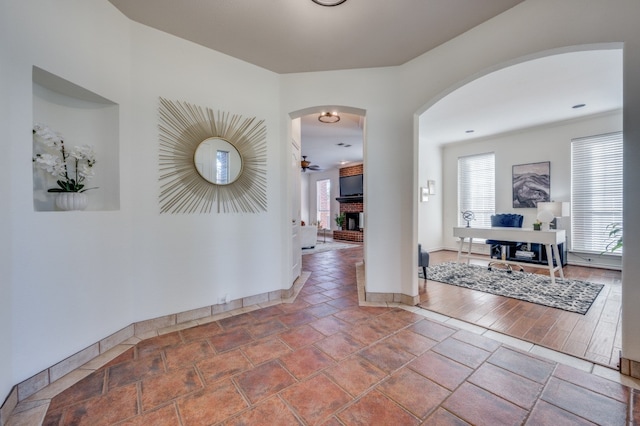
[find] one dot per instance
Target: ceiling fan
(307, 164)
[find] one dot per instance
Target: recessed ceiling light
(579, 106)
(347, 145)
(469, 131)
(340, 144)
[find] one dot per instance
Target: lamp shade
(557, 208)
(545, 216)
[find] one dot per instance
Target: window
(222, 166)
(596, 190)
(323, 191)
(476, 188)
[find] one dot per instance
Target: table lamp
(548, 211)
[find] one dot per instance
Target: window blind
(476, 188)
(596, 190)
(323, 201)
(222, 166)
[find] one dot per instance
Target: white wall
(631, 119)
(548, 143)
(6, 234)
(74, 278)
(189, 261)
(430, 213)
(388, 146)
(69, 274)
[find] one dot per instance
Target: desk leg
(556, 252)
(552, 273)
(469, 251)
(460, 248)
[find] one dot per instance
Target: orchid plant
(71, 168)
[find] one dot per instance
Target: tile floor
(326, 360)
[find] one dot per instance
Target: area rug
(329, 245)
(569, 295)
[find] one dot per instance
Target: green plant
(615, 234)
(340, 218)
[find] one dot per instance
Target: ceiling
(532, 93)
(330, 145)
(288, 36)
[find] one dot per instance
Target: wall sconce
(425, 191)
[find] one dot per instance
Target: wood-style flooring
(594, 336)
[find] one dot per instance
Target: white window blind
(476, 188)
(323, 201)
(222, 166)
(596, 190)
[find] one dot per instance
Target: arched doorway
(327, 145)
(545, 140)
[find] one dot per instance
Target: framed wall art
(531, 184)
(211, 160)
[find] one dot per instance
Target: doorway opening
(483, 115)
(331, 146)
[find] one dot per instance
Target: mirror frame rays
(182, 128)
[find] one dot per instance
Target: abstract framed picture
(531, 184)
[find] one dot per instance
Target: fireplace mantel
(352, 199)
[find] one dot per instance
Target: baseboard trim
(141, 330)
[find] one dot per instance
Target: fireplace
(353, 208)
(352, 222)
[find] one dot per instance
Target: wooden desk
(550, 239)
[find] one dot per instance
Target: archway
(436, 161)
(336, 148)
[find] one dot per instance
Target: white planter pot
(72, 200)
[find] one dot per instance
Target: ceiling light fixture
(329, 117)
(328, 3)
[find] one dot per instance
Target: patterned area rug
(569, 295)
(329, 245)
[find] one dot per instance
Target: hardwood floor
(594, 336)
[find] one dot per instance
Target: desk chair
(423, 260)
(508, 220)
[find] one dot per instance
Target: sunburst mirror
(210, 160)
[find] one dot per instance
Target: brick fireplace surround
(351, 207)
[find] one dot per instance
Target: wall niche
(81, 117)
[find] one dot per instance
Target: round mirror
(218, 161)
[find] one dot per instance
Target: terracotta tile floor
(325, 360)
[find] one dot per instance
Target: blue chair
(423, 260)
(506, 220)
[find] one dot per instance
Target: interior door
(296, 249)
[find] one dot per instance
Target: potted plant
(340, 218)
(615, 234)
(70, 168)
(536, 225)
